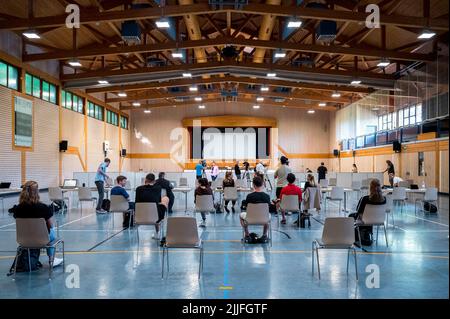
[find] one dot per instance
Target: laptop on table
(4, 185)
(70, 184)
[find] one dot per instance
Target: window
(124, 122)
(112, 118)
(410, 115)
(95, 111)
(72, 102)
(39, 88)
(387, 122)
(9, 76)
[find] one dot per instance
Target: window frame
(8, 79)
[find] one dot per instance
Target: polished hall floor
(415, 265)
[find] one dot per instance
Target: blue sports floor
(415, 265)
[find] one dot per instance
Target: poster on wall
(23, 122)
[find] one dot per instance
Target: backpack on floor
(126, 219)
(22, 261)
(252, 239)
(303, 218)
(58, 205)
(429, 208)
(366, 235)
(106, 204)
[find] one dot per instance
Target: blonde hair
(311, 180)
(375, 192)
(229, 175)
(30, 193)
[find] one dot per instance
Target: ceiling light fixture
(187, 75)
(122, 94)
(355, 82)
(201, 106)
(136, 104)
(259, 99)
(256, 106)
(311, 111)
(193, 89)
(103, 82)
(383, 63)
(177, 55)
(280, 55)
(147, 111)
(271, 75)
(426, 34)
(336, 94)
(31, 34)
(294, 24)
(163, 24)
(198, 99)
(75, 63)
(264, 89)
(322, 104)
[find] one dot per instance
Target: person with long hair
(391, 172)
(310, 182)
(228, 182)
(30, 206)
(375, 197)
(203, 189)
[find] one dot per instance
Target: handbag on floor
(429, 208)
(23, 265)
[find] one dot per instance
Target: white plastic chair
(338, 233)
(183, 182)
(205, 204)
(324, 183)
(119, 204)
(332, 182)
(258, 215)
(390, 209)
(55, 194)
(182, 233)
(85, 195)
(399, 197)
(430, 196)
(373, 215)
(337, 194)
(289, 203)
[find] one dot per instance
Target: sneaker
(155, 236)
(203, 223)
(101, 211)
(57, 262)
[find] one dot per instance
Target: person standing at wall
(237, 170)
(214, 171)
(100, 179)
(322, 171)
(199, 169)
(391, 172)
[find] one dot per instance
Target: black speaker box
(123, 152)
(63, 146)
(396, 146)
(336, 152)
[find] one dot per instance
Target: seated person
(119, 189)
(203, 189)
(290, 189)
(228, 182)
(256, 197)
(151, 193)
(165, 184)
(375, 197)
(310, 182)
(30, 206)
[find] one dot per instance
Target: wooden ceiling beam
(204, 8)
(222, 41)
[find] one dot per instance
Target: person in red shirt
(290, 189)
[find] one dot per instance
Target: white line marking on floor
(73, 221)
(430, 221)
(4, 226)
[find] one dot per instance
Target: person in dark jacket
(228, 182)
(165, 184)
(30, 206)
(203, 189)
(375, 197)
(322, 171)
(237, 170)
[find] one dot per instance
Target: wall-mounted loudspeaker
(63, 145)
(336, 153)
(396, 146)
(123, 152)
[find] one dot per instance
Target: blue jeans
(51, 237)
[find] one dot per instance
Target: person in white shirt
(214, 171)
(260, 168)
(396, 180)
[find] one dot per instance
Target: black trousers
(101, 193)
